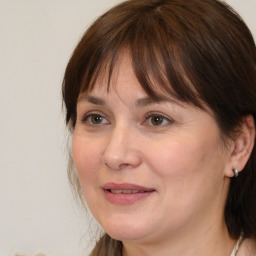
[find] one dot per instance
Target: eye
(94, 119)
(157, 120)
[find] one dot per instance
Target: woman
(161, 101)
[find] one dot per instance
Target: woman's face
(148, 169)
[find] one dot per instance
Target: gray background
(37, 211)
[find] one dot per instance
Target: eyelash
(86, 119)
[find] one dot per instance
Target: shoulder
(248, 248)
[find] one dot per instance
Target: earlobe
(243, 146)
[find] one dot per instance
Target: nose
(121, 150)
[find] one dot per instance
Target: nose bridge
(120, 150)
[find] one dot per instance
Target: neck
(212, 241)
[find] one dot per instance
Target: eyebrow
(93, 100)
(144, 102)
(140, 103)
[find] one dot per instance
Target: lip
(126, 198)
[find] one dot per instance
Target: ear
(242, 146)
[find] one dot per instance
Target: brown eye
(96, 119)
(157, 120)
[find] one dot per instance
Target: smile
(125, 194)
(125, 191)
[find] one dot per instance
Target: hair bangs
(158, 64)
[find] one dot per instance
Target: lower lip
(126, 199)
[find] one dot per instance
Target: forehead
(125, 86)
(121, 75)
(139, 75)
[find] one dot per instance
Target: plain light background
(37, 211)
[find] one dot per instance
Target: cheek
(86, 158)
(176, 158)
(186, 175)
(187, 165)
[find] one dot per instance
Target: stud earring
(236, 172)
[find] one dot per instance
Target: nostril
(123, 166)
(118, 166)
(123, 158)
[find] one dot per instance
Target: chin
(121, 229)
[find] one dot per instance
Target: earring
(236, 172)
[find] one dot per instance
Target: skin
(170, 146)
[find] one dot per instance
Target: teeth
(125, 191)
(116, 191)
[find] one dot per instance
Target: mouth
(125, 194)
(125, 191)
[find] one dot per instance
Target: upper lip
(125, 186)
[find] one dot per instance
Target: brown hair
(199, 51)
